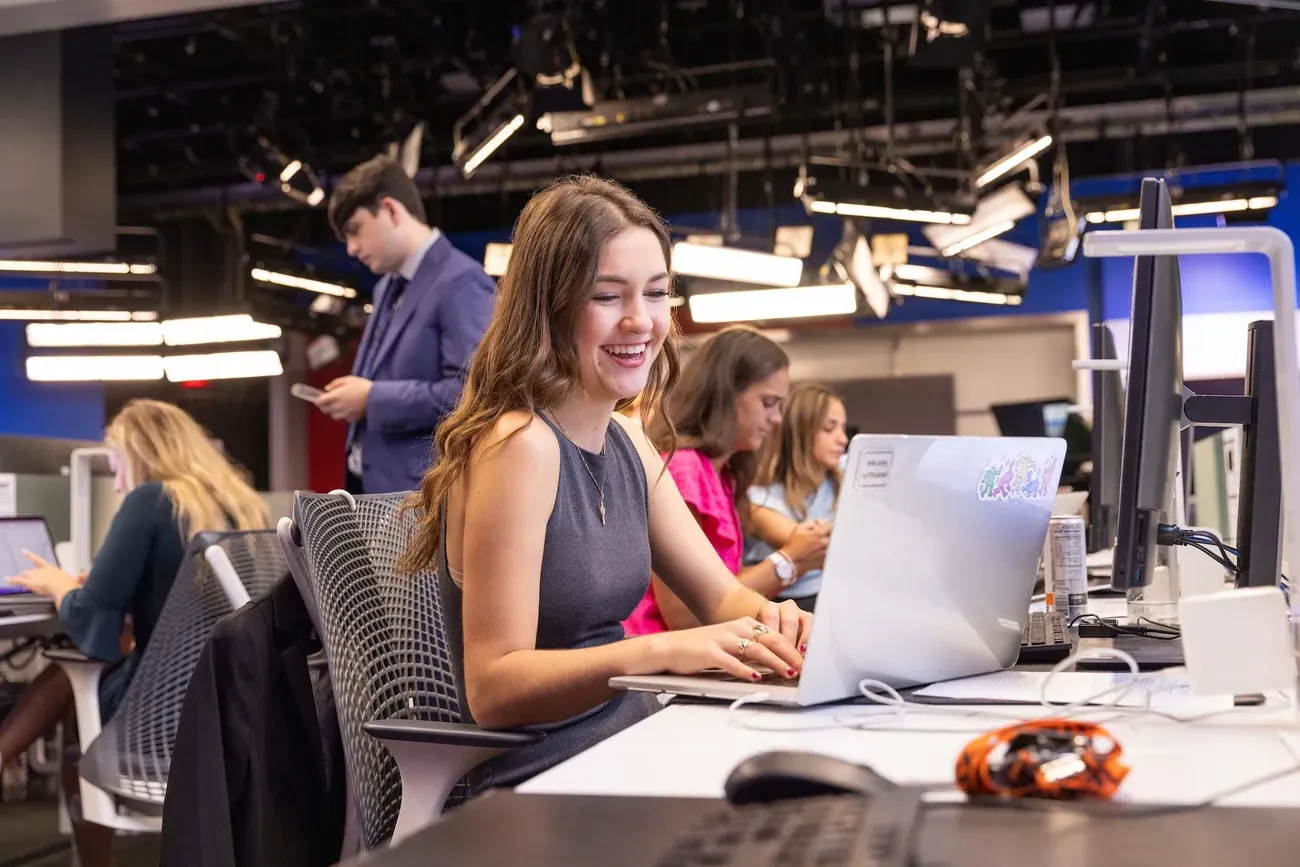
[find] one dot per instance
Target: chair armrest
(452, 734)
(71, 656)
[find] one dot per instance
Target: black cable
(1158, 631)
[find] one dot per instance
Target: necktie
(383, 314)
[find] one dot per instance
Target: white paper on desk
(8, 495)
(1168, 692)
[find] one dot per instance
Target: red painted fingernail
(756, 675)
(790, 671)
(803, 648)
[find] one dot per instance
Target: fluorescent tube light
(1013, 160)
(223, 365)
(90, 368)
(756, 305)
(978, 238)
(290, 170)
(48, 334)
(1189, 209)
(996, 214)
(217, 329)
(490, 144)
(863, 272)
(676, 301)
(943, 293)
(496, 257)
(316, 196)
(882, 212)
(740, 266)
(292, 281)
(22, 266)
(27, 315)
(1015, 259)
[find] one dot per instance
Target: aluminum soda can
(1065, 566)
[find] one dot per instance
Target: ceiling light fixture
(496, 257)
(104, 268)
(44, 335)
(758, 305)
(223, 365)
(292, 281)
(732, 264)
(1189, 209)
(1013, 160)
(232, 328)
(885, 212)
(30, 315)
(91, 368)
(490, 145)
(996, 214)
(944, 293)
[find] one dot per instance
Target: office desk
(503, 828)
(687, 751)
(35, 625)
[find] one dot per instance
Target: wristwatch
(784, 566)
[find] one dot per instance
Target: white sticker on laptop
(874, 468)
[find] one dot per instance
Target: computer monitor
(1036, 418)
(1153, 405)
(1107, 441)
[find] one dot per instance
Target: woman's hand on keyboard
(791, 621)
(733, 647)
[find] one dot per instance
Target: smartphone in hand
(305, 392)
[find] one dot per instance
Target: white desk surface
(688, 751)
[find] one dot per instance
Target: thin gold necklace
(599, 489)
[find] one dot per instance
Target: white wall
(1214, 344)
(991, 361)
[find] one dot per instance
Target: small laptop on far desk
(18, 535)
(929, 573)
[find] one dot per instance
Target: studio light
(741, 266)
(90, 368)
(496, 257)
(232, 328)
(757, 305)
(1189, 209)
(43, 335)
(96, 268)
(944, 293)
(223, 365)
(996, 214)
(1014, 160)
(292, 281)
(497, 115)
(490, 145)
(30, 315)
(889, 212)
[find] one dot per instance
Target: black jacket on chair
(252, 780)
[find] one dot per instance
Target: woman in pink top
(728, 400)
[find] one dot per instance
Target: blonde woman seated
(547, 510)
(799, 480)
(176, 485)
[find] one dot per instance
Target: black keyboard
(1046, 638)
(861, 830)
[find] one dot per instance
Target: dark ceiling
(333, 81)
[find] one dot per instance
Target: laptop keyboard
(1046, 638)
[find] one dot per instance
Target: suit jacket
(418, 368)
(253, 782)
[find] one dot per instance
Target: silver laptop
(18, 535)
(929, 572)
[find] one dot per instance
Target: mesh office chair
(390, 665)
(124, 767)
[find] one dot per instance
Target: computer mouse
(779, 775)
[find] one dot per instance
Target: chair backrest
(132, 755)
(383, 634)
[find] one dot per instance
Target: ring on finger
(760, 630)
(744, 647)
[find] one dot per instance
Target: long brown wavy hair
(163, 443)
(528, 359)
(788, 456)
(702, 408)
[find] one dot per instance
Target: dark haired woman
(727, 404)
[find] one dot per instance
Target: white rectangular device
(930, 569)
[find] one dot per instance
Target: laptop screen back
(18, 535)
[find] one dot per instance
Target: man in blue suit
(429, 312)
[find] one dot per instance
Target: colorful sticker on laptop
(874, 468)
(1017, 478)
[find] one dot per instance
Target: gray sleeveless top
(593, 576)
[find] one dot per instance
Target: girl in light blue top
(799, 482)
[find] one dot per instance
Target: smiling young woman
(547, 511)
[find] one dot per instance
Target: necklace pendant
(602, 511)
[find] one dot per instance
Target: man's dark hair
(367, 185)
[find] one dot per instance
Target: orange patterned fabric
(1055, 759)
